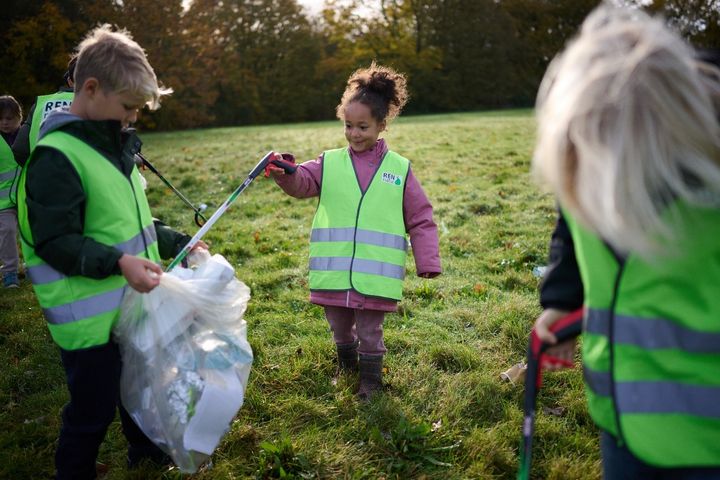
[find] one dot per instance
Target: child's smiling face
(361, 129)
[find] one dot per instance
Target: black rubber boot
(347, 355)
(371, 367)
(347, 360)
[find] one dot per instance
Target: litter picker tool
(199, 218)
(569, 326)
(257, 169)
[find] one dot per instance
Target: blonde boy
(88, 234)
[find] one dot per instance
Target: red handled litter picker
(570, 326)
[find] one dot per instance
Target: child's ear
(383, 125)
(90, 86)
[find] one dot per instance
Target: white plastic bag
(186, 358)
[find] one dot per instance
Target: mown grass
(447, 413)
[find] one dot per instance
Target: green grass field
(447, 414)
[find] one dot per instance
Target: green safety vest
(81, 311)
(8, 170)
(651, 343)
(43, 106)
(358, 239)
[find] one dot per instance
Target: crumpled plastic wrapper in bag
(186, 359)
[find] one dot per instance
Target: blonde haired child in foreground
(88, 234)
(629, 141)
(369, 199)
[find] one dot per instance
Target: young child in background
(27, 137)
(629, 141)
(10, 117)
(369, 199)
(87, 233)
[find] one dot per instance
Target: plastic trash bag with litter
(186, 359)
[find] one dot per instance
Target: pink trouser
(366, 326)
(8, 241)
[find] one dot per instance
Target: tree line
(238, 62)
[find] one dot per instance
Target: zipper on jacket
(611, 347)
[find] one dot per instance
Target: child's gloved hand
(284, 163)
(561, 355)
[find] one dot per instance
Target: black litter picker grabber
(270, 157)
(199, 218)
(568, 327)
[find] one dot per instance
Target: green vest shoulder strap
(43, 106)
(8, 172)
(358, 238)
(81, 311)
(651, 342)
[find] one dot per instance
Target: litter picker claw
(257, 169)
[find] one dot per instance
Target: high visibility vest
(651, 343)
(358, 239)
(81, 311)
(8, 171)
(43, 106)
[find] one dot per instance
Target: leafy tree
(38, 38)
(264, 55)
(542, 28)
(158, 27)
(697, 20)
(37, 53)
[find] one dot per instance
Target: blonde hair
(626, 127)
(119, 64)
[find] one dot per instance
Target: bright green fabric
(43, 106)
(663, 322)
(376, 212)
(8, 171)
(111, 217)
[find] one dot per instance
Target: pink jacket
(417, 211)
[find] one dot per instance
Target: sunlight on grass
(446, 413)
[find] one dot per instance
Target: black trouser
(93, 379)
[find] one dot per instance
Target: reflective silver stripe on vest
(8, 175)
(86, 308)
(598, 382)
(348, 234)
(657, 397)
(652, 333)
(5, 193)
(378, 268)
(668, 397)
(44, 273)
(137, 244)
(358, 265)
(330, 263)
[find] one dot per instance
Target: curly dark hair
(382, 89)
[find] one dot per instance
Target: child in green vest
(369, 200)
(10, 116)
(87, 234)
(28, 134)
(629, 141)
